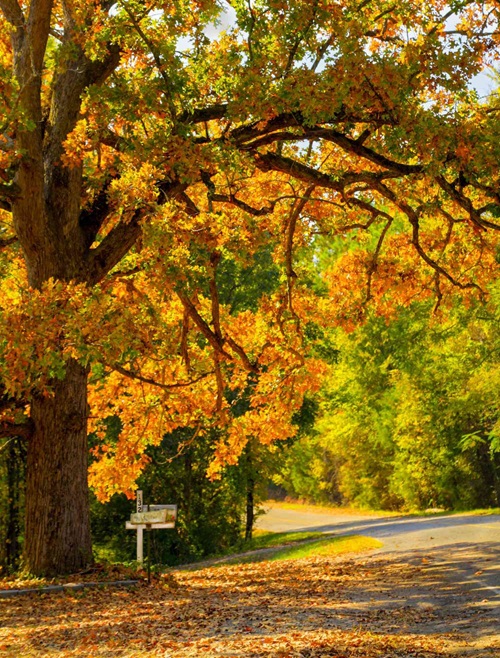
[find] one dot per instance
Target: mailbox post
(150, 517)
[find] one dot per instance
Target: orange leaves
(314, 607)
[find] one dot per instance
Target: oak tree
(144, 148)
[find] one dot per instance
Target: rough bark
(16, 463)
(250, 493)
(249, 510)
(57, 509)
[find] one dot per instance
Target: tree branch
(273, 162)
(215, 341)
(231, 198)
(463, 201)
(12, 12)
(413, 217)
(200, 115)
(23, 430)
(373, 265)
(147, 380)
(6, 242)
(112, 249)
(248, 365)
(123, 236)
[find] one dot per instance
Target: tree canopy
(150, 158)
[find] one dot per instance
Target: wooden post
(140, 536)
(140, 545)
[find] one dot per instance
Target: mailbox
(156, 516)
(150, 517)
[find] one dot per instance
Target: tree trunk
(250, 510)
(16, 462)
(250, 506)
(57, 502)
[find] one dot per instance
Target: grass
(323, 547)
(267, 539)
(348, 511)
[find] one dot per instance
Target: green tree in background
(409, 416)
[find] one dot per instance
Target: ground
(372, 605)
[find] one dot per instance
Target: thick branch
(69, 85)
(9, 191)
(92, 218)
(12, 12)
(203, 114)
(112, 249)
(6, 242)
(123, 236)
(356, 148)
(273, 162)
(353, 146)
(248, 365)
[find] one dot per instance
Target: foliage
(211, 513)
(409, 416)
(149, 159)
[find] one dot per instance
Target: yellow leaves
(76, 144)
(135, 187)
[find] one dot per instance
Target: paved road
(469, 546)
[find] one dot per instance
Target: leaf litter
(315, 607)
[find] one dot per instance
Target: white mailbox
(150, 517)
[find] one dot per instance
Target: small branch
(463, 201)
(212, 338)
(23, 430)
(184, 340)
(248, 365)
(220, 382)
(214, 294)
(147, 380)
(6, 242)
(414, 221)
(290, 233)
(231, 198)
(300, 37)
(373, 265)
(251, 29)
(156, 57)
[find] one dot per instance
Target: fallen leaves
(310, 608)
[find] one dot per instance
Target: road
(467, 546)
